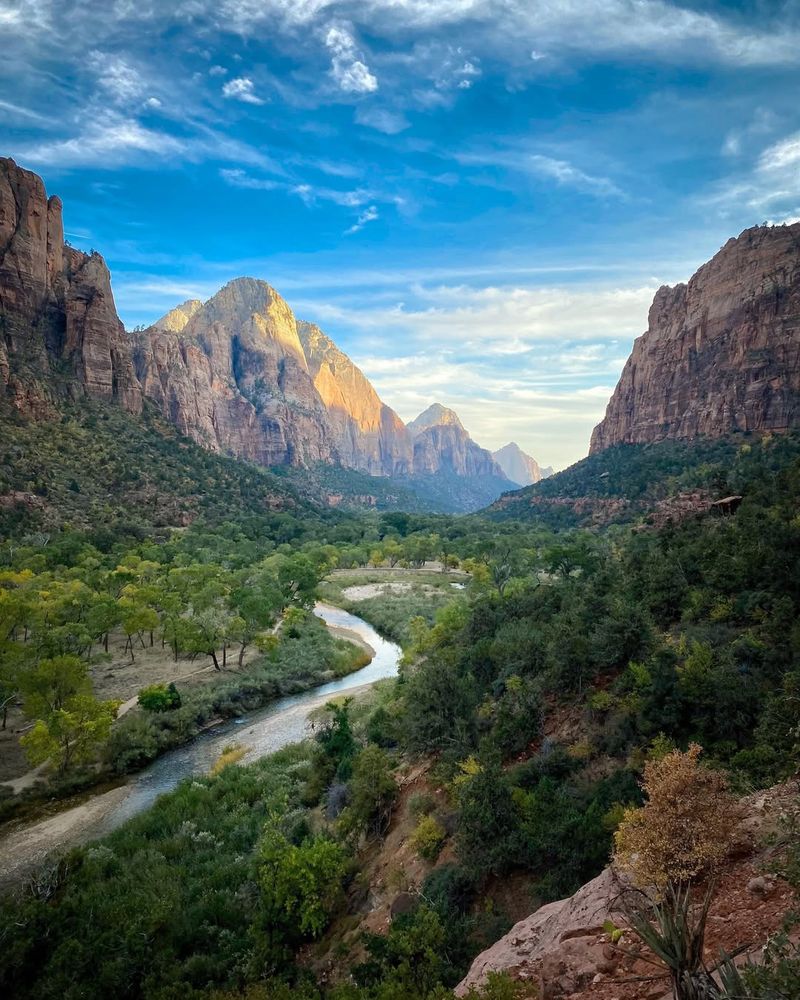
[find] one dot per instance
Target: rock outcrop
(561, 946)
(368, 435)
(519, 467)
(442, 444)
(564, 950)
(56, 307)
(721, 353)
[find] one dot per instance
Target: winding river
(261, 732)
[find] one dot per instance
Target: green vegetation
(530, 705)
(642, 475)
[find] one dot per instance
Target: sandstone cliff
(231, 373)
(721, 353)
(519, 467)
(368, 435)
(442, 444)
(56, 307)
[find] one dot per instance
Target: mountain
(721, 354)
(441, 444)
(235, 379)
(368, 434)
(519, 467)
(436, 415)
(238, 374)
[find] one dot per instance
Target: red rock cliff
(56, 306)
(721, 353)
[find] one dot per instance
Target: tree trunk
(224, 655)
(105, 642)
(213, 654)
(241, 654)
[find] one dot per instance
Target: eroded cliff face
(368, 435)
(442, 444)
(231, 374)
(721, 353)
(56, 307)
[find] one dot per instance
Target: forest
(536, 693)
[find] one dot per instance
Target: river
(260, 732)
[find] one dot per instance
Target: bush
(160, 698)
(428, 838)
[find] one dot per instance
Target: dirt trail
(25, 848)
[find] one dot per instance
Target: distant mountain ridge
(239, 374)
(519, 467)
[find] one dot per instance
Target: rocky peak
(442, 444)
(721, 353)
(518, 466)
(436, 415)
(176, 319)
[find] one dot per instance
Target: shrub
(160, 698)
(428, 838)
(684, 830)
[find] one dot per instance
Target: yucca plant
(673, 928)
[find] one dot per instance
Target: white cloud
(309, 194)
(217, 71)
(111, 140)
(561, 171)
(237, 177)
(348, 69)
(769, 189)
(17, 111)
(123, 82)
(152, 102)
(241, 89)
(539, 28)
(107, 144)
(381, 119)
(571, 176)
(368, 215)
(491, 317)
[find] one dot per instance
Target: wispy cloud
(241, 88)
(368, 215)
(769, 188)
(119, 79)
(382, 119)
(348, 69)
(571, 176)
(562, 172)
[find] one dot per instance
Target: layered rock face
(519, 467)
(56, 307)
(721, 353)
(231, 373)
(368, 435)
(442, 444)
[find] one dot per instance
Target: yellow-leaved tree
(668, 847)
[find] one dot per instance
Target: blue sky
(475, 198)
